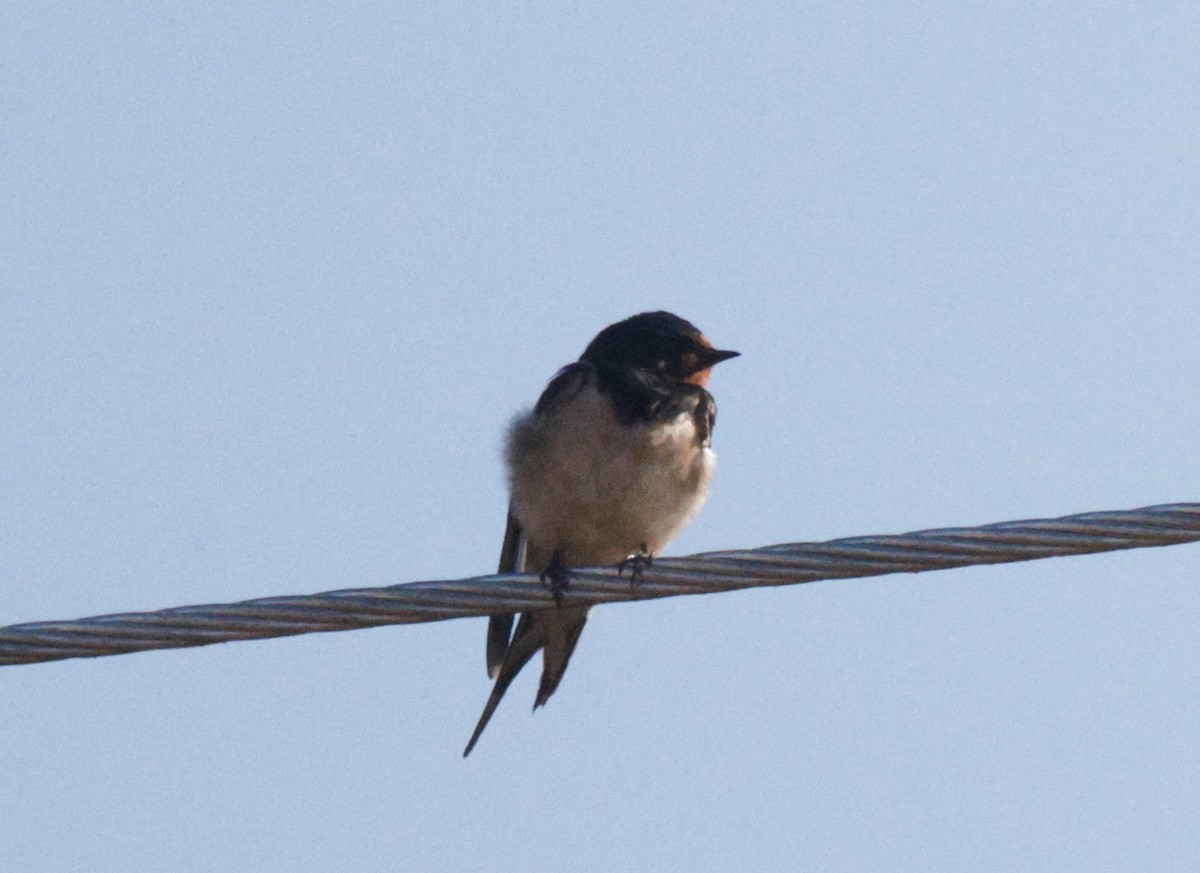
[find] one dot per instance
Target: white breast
(596, 491)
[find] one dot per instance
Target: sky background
(274, 279)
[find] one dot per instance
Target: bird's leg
(637, 562)
(556, 576)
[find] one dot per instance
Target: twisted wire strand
(787, 564)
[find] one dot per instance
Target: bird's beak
(712, 357)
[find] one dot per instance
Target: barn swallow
(611, 463)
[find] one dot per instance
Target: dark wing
(566, 383)
(512, 560)
(556, 630)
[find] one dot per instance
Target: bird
(609, 465)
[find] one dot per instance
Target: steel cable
(787, 564)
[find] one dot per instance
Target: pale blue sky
(274, 280)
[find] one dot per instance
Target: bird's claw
(637, 563)
(556, 577)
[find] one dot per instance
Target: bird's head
(659, 343)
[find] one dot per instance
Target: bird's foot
(556, 576)
(637, 563)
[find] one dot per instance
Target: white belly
(596, 491)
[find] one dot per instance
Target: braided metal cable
(787, 564)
